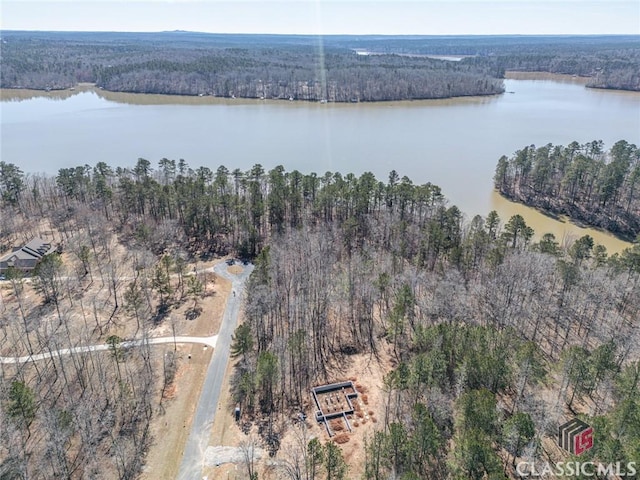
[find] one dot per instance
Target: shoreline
(565, 217)
(21, 94)
(555, 77)
(564, 229)
(562, 78)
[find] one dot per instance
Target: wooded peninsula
(329, 68)
(469, 341)
(584, 182)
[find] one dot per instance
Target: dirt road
(210, 341)
(194, 453)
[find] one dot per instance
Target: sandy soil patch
(212, 303)
(235, 269)
(365, 371)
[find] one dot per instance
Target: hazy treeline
(299, 72)
(617, 69)
(334, 76)
(612, 61)
(306, 67)
(585, 182)
(491, 339)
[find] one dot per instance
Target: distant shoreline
(19, 94)
(560, 77)
(556, 77)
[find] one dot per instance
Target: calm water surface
(452, 143)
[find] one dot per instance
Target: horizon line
(334, 34)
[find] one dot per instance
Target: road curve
(210, 341)
(195, 448)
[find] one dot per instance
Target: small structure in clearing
(334, 401)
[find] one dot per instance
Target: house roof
(34, 250)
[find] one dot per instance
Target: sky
(418, 17)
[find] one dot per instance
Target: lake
(452, 143)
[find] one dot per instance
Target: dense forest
(299, 72)
(489, 339)
(608, 61)
(588, 184)
(305, 67)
